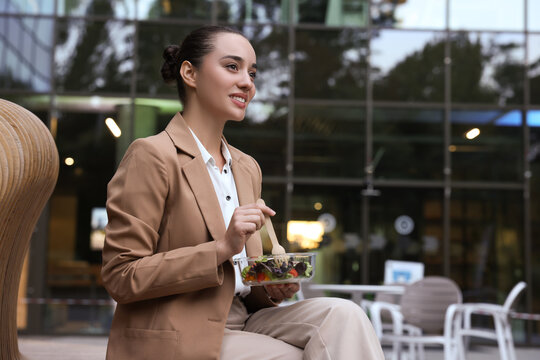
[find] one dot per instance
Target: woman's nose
(246, 82)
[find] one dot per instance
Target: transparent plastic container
(276, 269)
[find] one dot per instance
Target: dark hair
(194, 47)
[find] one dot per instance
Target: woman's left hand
(281, 291)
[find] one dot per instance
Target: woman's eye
(232, 66)
(253, 75)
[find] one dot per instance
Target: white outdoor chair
(502, 331)
(426, 315)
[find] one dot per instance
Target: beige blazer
(159, 259)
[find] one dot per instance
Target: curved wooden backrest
(28, 173)
(424, 302)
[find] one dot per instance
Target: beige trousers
(313, 329)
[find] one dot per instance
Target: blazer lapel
(197, 176)
(203, 189)
(242, 179)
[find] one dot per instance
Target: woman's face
(225, 80)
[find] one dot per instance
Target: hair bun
(170, 68)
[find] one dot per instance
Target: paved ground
(93, 348)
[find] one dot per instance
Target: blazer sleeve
(132, 269)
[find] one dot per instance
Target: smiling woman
(181, 206)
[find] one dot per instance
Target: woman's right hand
(245, 221)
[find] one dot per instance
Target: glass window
(152, 40)
(26, 53)
(419, 14)
(333, 12)
(407, 65)
(185, 9)
(94, 56)
(406, 224)
(273, 71)
(331, 64)
(533, 8)
(486, 242)
(486, 145)
(87, 151)
(122, 9)
(161, 111)
(329, 141)
(34, 7)
(259, 11)
(408, 143)
(487, 15)
(534, 68)
(534, 161)
(487, 68)
(339, 248)
(265, 123)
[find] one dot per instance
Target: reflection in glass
(329, 141)
(271, 46)
(260, 11)
(487, 67)
(407, 65)
(26, 53)
(421, 240)
(408, 143)
(185, 9)
(533, 157)
(73, 267)
(339, 255)
(495, 154)
(263, 135)
(34, 7)
(333, 12)
(122, 9)
(533, 9)
(331, 64)
(486, 239)
(419, 14)
(534, 68)
(487, 15)
(94, 55)
(152, 40)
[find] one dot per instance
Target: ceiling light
(471, 134)
(113, 127)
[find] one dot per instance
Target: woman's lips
(239, 101)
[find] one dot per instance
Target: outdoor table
(357, 291)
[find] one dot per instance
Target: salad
(277, 269)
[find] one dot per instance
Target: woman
(183, 203)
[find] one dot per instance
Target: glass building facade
(410, 128)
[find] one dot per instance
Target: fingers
(251, 216)
(265, 209)
(244, 222)
(282, 291)
(253, 213)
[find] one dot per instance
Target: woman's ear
(188, 72)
